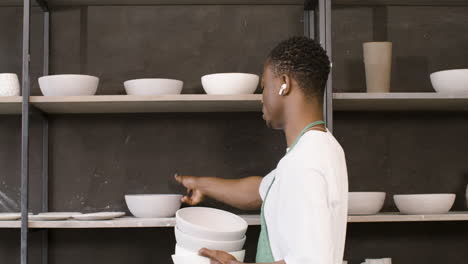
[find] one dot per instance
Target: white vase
(9, 84)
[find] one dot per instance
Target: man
(304, 200)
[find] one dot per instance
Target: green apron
(264, 254)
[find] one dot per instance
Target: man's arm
(240, 193)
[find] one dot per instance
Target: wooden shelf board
(401, 2)
(397, 217)
(399, 102)
(53, 3)
(132, 222)
(10, 105)
(147, 104)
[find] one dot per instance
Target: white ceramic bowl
(153, 205)
(230, 83)
(365, 203)
(424, 203)
(211, 224)
(450, 81)
(196, 259)
(153, 86)
(179, 251)
(68, 85)
(9, 84)
(195, 244)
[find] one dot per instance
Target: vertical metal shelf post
(317, 25)
(25, 132)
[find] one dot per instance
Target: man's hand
(218, 257)
(194, 195)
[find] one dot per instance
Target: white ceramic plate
(48, 217)
(9, 216)
(59, 214)
(98, 216)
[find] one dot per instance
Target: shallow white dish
(211, 224)
(195, 244)
(180, 251)
(153, 86)
(10, 216)
(69, 214)
(68, 85)
(365, 203)
(49, 217)
(98, 216)
(230, 83)
(418, 204)
(450, 81)
(196, 259)
(53, 216)
(153, 205)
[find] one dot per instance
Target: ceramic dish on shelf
(153, 86)
(230, 83)
(59, 214)
(48, 217)
(153, 205)
(450, 81)
(9, 84)
(419, 204)
(365, 203)
(10, 216)
(98, 216)
(68, 85)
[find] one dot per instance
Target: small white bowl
(9, 84)
(417, 204)
(153, 205)
(196, 259)
(68, 85)
(154, 86)
(179, 251)
(230, 83)
(365, 203)
(450, 81)
(211, 224)
(195, 244)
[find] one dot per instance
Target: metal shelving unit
(41, 106)
(317, 24)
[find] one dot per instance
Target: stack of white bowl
(201, 227)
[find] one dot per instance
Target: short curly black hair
(305, 60)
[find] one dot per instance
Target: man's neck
(298, 118)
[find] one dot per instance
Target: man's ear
(285, 79)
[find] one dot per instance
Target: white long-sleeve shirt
(306, 209)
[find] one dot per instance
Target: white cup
(9, 84)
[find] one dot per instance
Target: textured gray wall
(95, 160)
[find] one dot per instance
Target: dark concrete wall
(96, 159)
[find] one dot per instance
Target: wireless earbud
(283, 87)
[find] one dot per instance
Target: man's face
(272, 101)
